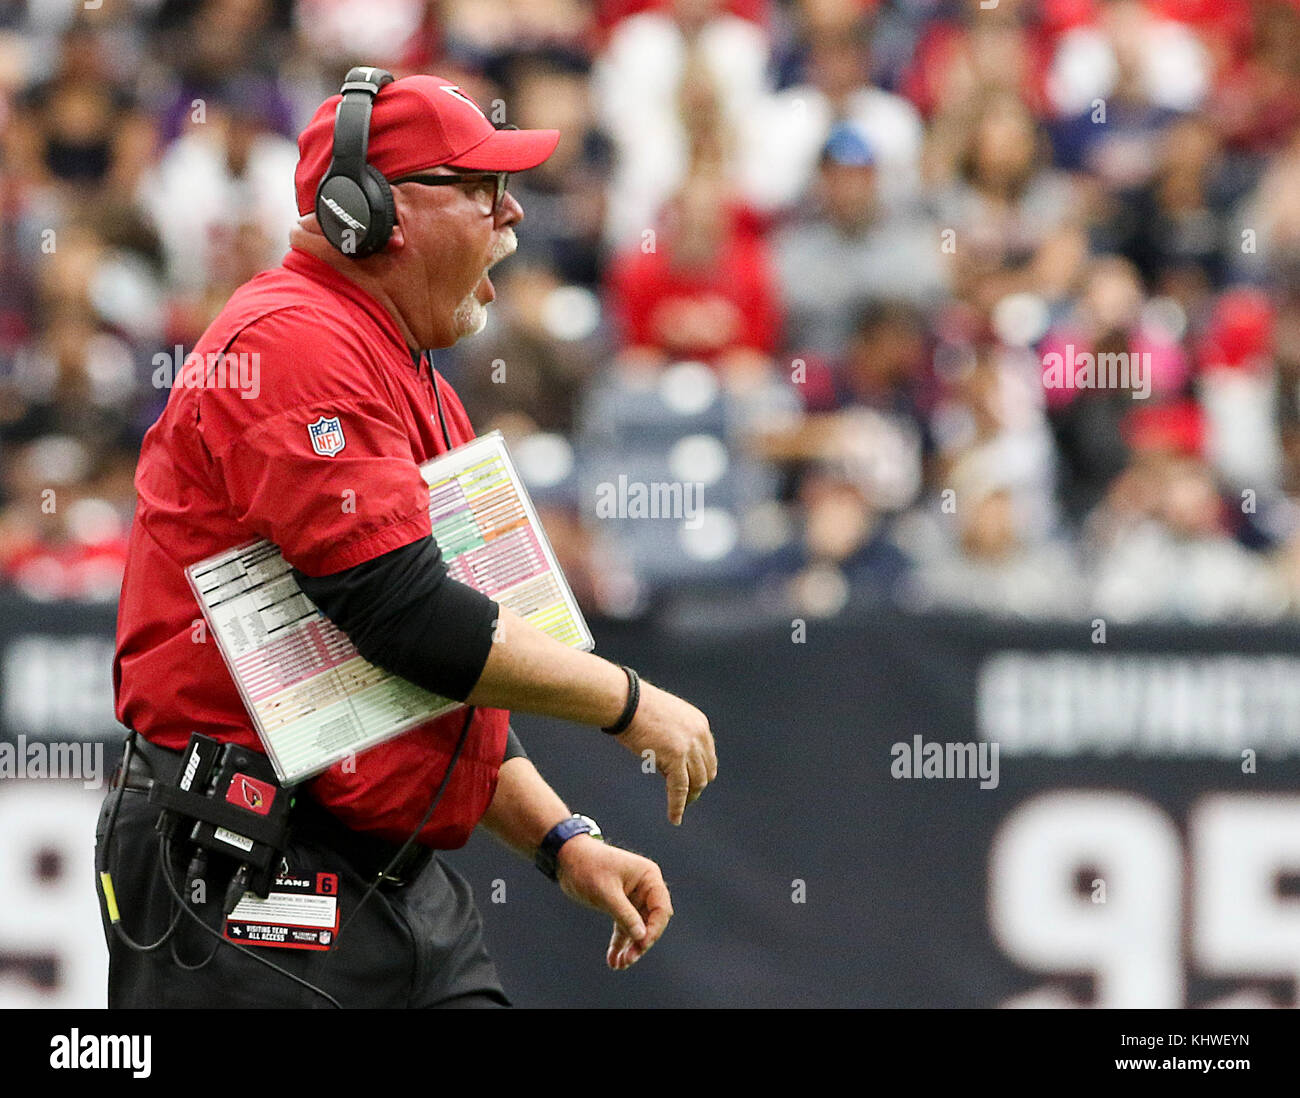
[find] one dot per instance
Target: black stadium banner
(911, 811)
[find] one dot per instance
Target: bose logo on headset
(342, 214)
(354, 199)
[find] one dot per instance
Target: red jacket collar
(307, 265)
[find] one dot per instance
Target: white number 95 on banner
(1099, 884)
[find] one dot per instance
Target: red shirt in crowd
(699, 310)
(221, 468)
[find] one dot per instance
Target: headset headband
(352, 120)
(354, 204)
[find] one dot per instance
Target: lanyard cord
(437, 396)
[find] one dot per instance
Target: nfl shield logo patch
(326, 436)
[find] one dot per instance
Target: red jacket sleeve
(318, 462)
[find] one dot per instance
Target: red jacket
(228, 463)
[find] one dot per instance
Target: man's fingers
(621, 949)
(618, 942)
(651, 897)
(626, 917)
(679, 787)
(699, 772)
(657, 905)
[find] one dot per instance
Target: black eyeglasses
(488, 187)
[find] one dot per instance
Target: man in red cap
(402, 190)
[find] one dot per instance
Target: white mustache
(505, 246)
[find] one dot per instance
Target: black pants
(416, 946)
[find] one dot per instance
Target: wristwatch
(547, 857)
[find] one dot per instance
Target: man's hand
(679, 736)
(625, 886)
(533, 672)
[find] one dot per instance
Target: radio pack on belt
(229, 800)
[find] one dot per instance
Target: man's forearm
(623, 885)
(530, 671)
(524, 808)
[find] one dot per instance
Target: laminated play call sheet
(312, 698)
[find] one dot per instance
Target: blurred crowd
(815, 256)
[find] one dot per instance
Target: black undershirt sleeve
(405, 614)
(514, 749)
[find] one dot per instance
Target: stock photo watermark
(1106, 370)
(677, 500)
(241, 371)
(62, 760)
(958, 761)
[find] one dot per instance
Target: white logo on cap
(453, 90)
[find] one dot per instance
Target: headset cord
(164, 856)
(428, 815)
(427, 359)
(176, 957)
(106, 878)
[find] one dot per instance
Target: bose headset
(354, 203)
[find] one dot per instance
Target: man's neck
(317, 246)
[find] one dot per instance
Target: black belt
(369, 855)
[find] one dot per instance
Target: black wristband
(633, 700)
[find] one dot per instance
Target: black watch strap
(633, 700)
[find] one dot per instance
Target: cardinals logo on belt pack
(252, 794)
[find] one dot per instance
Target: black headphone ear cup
(384, 215)
(344, 212)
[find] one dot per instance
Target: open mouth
(485, 291)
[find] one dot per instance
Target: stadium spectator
(987, 558)
(1175, 227)
(1256, 102)
(1161, 551)
(1131, 53)
(990, 425)
(203, 50)
(1108, 318)
(223, 175)
(525, 372)
(702, 285)
(842, 552)
(565, 199)
(80, 129)
(59, 539)
(1014, 220)
(649, 83)
(870, 417)
(978, 52)
(1267, 237)
(848, 248)
(783, 137)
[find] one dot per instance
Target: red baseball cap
(420, 122)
